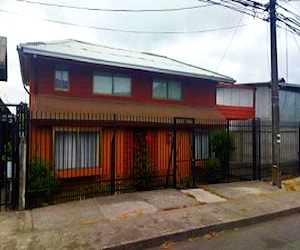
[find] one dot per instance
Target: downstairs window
(76, 149)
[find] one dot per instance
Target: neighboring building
(96, 86)
(236, 102)
(253, 100)
(289, 101)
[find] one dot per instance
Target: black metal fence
(75, 157)
(13, 126)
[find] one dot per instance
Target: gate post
(22, 173)
(299, 149)
(254, 149)
(174, 156)
(193, 155)
(113, 160)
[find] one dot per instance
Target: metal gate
(13, 126)
(182, 155)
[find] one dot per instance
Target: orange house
(90, 104)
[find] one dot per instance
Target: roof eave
(124, 65)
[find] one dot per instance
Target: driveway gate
(13, 126)
(182, 155)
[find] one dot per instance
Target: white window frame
(62, 73)
(71, 159)
(113, 80)
(168, 84)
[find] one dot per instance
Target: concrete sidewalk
(145, 219)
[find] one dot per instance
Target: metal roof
(99, 54)
(282, 85)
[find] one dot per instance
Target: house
(91, 105)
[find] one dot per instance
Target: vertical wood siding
(159, 149)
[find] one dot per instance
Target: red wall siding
(236, 113)
(195, 92)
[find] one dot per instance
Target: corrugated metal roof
(98, 54)
(52, 107)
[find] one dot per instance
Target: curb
(195, 232)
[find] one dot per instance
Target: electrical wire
(228, 46)
(258, 10)
(130, 31)
(115, 10)
(291, 6)
(298, 46)
(249, 7)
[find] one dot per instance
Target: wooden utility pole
(276, 172)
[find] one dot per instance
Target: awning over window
(49, 107)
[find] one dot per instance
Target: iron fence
(13, 126)
(74, 157)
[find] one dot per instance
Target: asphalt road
(281, 233)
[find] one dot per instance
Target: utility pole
(276, 172)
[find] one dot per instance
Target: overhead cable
(130, 31)
(115, 10)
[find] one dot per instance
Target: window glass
(106, 83)
(201, 145)
(61, 79)
(235, 97)
(164, 89)
(122, 85)
(174, 90)
(159, 89)
(76, 149)
(103, 83)
(65, 150)
(87, 147)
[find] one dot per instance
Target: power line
(293, 7)
(115, 10)
(259, 10)
(298, 46)
(248, 7)
(129, 31)
(228, 46)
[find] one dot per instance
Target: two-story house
(89, 104)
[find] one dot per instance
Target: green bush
(222, 146)
(41, 178)
(7, 152)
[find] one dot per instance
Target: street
(281, 233)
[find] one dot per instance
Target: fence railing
(75, 157)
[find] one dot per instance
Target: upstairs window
(166, 89)
(238, 97)
(111, 84)
(61, 79)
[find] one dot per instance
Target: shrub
(222, 146)
(41, 178)
(7, 152)
(143, 173)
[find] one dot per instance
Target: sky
(211, 37)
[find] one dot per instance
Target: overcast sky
(238, 47)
